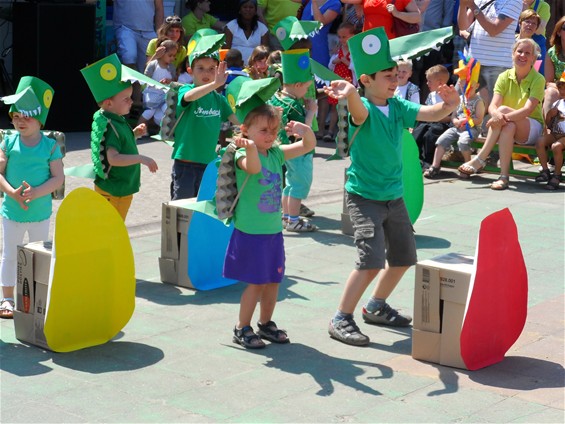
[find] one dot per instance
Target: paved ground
(175, 362)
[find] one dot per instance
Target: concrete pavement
(175, 362)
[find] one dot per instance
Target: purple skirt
(255, 258)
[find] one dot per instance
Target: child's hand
(159, 52)
(149, 163)
(19, 196)
(140, 130)
(339, 89)
(449, 95)
(244, 142)
(297, 129)
(165, 81)
(221, 74)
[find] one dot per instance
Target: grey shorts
(463, 139)
(383, 232)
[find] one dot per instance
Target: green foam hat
(245, 94)
(417, 45)
(321, 73)
(207, 46)
(33, 98)
(108, 77)
(296, 66)
(289, 30)
(370, 52)
(197, 36)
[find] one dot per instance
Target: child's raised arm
(341, 89)
(250, 163)
(308, 142)
(439, 111)
(220, 78)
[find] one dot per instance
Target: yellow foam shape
(92, 290)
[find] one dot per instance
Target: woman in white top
(246, 32)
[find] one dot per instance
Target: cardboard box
(32, 286)
(173, 263)
(440, 297)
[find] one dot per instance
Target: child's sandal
(432, 172)
(553, 183)
(247, 338)
(271, 332)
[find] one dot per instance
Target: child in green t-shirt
(200, 113)
(374, 190)
(30, 170)
(255, 253)
(114, 149)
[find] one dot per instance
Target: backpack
(170, 120)
(58, 136)
(227, 195)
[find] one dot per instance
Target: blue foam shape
(208, 240)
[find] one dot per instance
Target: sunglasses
(173, 20)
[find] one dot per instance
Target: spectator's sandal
(553, 183)
(469, 168)
(432, 172)
(544, 176)
(271, 332)
(501, 184)
(247, 338)
(7, 308)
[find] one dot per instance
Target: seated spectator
(405, 89)
(199, 18)
(275, 65)
(171, 30)
(183, 76)
(554, 64)
(234, 64)
(555, 139)
(246, 32)
(353, 13)
(515, 110)
(461, 132)
(543, 10)
(257, 67)
(528, 24)
(426, 133)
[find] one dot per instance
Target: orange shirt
(376, 15)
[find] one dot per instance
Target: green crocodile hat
(370, 52)
(33, 98)
(296, 66)
(289, 30)
(245, 94)
(207, 46)
(108, 77)
(197, 36)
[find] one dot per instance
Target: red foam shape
(498, 305)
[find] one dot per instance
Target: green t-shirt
(191, 24)
(292, 110)
(152, 47)
(30, 164)
(276, 10)
(197, 133)
(376, 153)
(258, 210)
(515, 95)
(122, 180)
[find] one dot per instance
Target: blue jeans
(186, 178)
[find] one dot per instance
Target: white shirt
(241, 42)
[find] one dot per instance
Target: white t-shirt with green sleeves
(376, 153)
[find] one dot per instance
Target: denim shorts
(185, 179)
(383, 232)
(299, 173)
(132, 46)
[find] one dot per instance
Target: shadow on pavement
(297, 359)
(25, 360)
(430, 242)
(514, 372)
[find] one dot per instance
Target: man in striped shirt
(493, 25)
